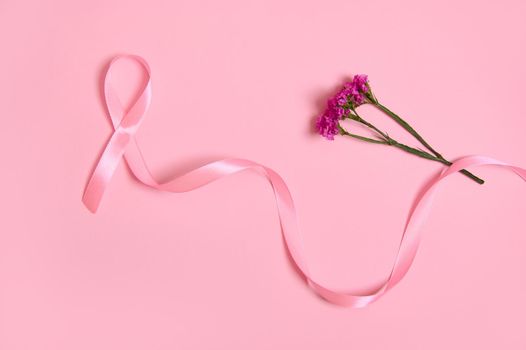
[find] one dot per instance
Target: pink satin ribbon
(123, 143)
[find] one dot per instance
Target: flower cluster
(344, 105)
(350, 96)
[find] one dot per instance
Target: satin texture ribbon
(123, 143)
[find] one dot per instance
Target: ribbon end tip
(90, 206)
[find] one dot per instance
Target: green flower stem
(431, 157)
(387, 140)
(407, 127)
(416, 135)
(366, 139)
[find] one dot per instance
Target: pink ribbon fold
(123, 143)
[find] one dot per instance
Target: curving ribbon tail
(123, 144)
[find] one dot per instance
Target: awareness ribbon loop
(123, 144)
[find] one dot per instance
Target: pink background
(207, 269)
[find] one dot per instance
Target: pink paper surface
(207, 269)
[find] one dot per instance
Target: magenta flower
(350, 96)
(341, 98)
(360, 81)
(356, 89)
(327, 125)
(344, 105)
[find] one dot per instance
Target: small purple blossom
(327, 125)
(360, 81)
(356, 89)
(341, 98)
